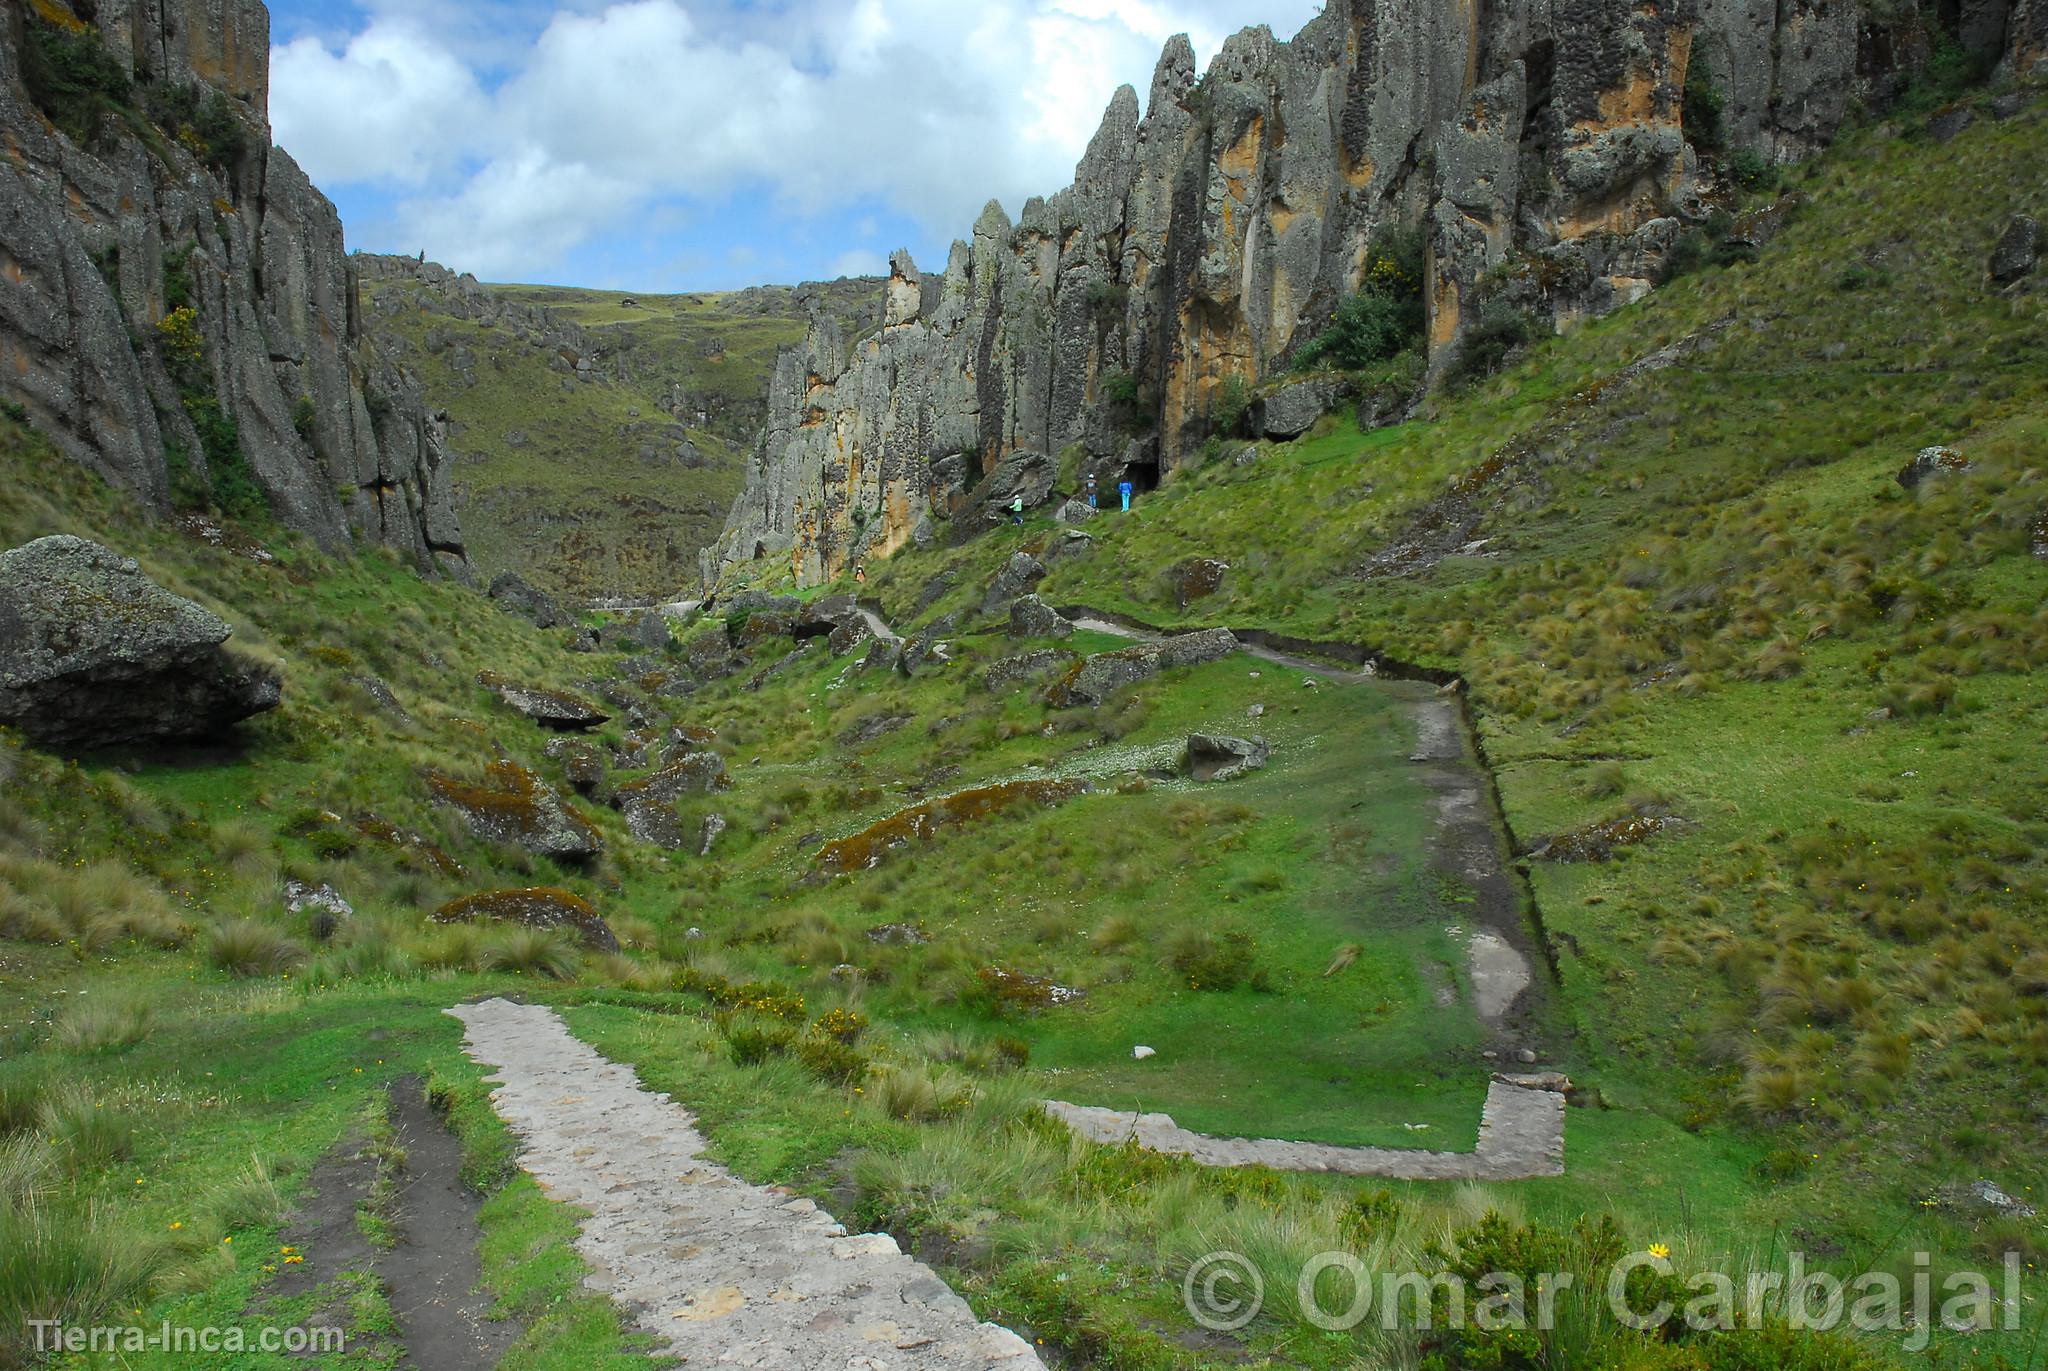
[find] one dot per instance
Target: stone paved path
(723, 1272)
(1521, 1137)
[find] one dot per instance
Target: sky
(677, 145)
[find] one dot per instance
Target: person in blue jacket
(1124, 489)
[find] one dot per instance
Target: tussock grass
(250, 948)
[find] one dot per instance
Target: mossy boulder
(1096, 678)
(556, 709)
(865, 849)
(95, 654)
(649, 803)
(1219, 757)
(515, 807)
(537, 907)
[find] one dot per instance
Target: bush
(72, 76)
(752, 1044)
(203, 121)
(1215, 961)
(1233, 401)
(86, 1132)
(1701, 110)
(1485, 347)
(249, 947)
(1387, 315)
(57, 1262)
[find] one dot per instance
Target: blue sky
(670, 145)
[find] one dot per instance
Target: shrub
(1485, 347)
(917, 1095)
(831, 1060)
(57, 1262)
(73, 76)
(1386, 316)
(1214, 961)
(752, 1044)
(250, 947)
(1227, 411)
(1701, 110)
(86, 1131)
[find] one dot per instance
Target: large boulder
(649, 803)
(1218, 757)
(1293, 410)
(2019, 247)
(1102, 675)
(1198, 578)
(538, 907)
(556, 709)
(513, 806)
(583, 764)
(1030, 474)
(95, 654)
(1019, 576)
(1007, 672)
(821, 618)
(1031, 617)
(646, 631)
(515, 595)
(1932, 463)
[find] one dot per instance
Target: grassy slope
(1699, 586)
(577, 483)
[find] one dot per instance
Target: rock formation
(95, 654)
(1541, 149)
(177, 311)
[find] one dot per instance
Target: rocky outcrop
(1540, 149)
(2018, 248)
(515, 807)
(177, 311)
(1096, 678)
(649, 804)
(1219, 757)
(539, 907)
(556, 709)
(1031, 617)
(94, 654)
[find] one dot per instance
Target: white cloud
(392, 107)
(513, 157)
(859, 262)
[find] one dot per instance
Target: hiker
(1017, 509)
(860, 573)
(1091, 492)
(1124, 489)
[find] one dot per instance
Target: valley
(647, 830)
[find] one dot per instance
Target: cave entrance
(1143, 476)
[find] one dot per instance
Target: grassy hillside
(1704, 633)
(1671, 558)
(602, 481)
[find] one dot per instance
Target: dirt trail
(431, 1273)
(721, 1271)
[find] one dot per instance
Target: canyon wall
(137, 182)
(1540, 145)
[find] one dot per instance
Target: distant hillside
(601, 435)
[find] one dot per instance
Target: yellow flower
(176, 1224)
(1659, 1251)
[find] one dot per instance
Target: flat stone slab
(723, 1272)
(1521, 1137)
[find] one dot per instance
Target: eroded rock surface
(95, 654)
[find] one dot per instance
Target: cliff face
(1539, 144)
(137, 183)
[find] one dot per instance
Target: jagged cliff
(176, 307)
(1541, 148)
(600, 436)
